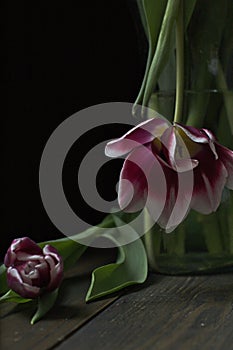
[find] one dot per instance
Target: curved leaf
(167, 78)
(130, 267)
(152, 12)
(188, 11)
(69, 249)
(163, 48)
(160, 20)
(142, 16)
(45, 303)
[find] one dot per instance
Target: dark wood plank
(168, 313)
(70, 313)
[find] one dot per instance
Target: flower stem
(227, 94)
(179, 64)
(152, 242)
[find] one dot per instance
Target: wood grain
(168, 313)
(70, 312)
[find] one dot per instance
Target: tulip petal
(136, 179)
(50, 250)
(132, 189)
(177, 198)
(43, 270)
(210, 178)
(196, 135)
(27, 245)
(209, 134)
(22, 257)
(141, 134)
(176, 152)
(15, 282)
(178, 201)
(56, 276)
(226, 156)
(22, 245)
(56, 266)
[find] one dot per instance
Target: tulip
(30, 270)
(195, 169)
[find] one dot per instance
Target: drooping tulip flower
(30, 270)
(178, 167)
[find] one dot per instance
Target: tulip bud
(30, 270)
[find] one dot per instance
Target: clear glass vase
(203, 47)
(202, 243)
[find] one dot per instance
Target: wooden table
(166, 312)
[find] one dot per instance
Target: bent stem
(179, 64)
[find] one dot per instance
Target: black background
(58, 59)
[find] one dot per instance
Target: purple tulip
(178, 167)
(31, 270)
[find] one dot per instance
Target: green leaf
(3, 282)
(13, 297)
(204, 35)
(45, 303)
(152, 12)
(159, 20)
(69, 249)
(163, 48)
(130, 267)
(142, 15)
(188, 11)
(167, 78)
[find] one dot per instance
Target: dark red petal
(136, 179)
(226, 156)
(23, 272)
(43, 274)
(196, 135)
(168, 141)
(56, 276)
(25, 245)
(50, 250)
(177, 198)
(22, 257)
(209, 180)
(54, 260)
(209, 134)
(15, 283)
(176, 152)
(141, 134)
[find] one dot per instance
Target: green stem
(227, 95)
(212, 233)
(179, 64)
(163, 49)
(152, 242)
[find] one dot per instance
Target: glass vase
(201, 243)
(199, 56)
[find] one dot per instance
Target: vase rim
(171, 93)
